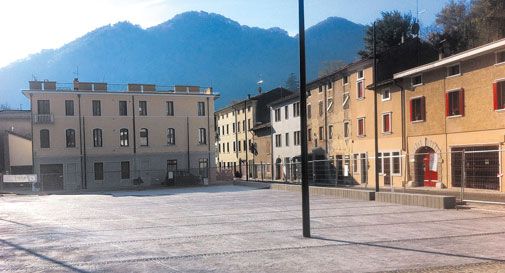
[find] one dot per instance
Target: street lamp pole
(303, 123)
(376, 130)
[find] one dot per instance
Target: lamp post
(303, 123)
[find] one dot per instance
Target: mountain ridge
(197, 48)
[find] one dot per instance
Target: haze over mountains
(196, 48)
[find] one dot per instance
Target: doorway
(51, 177)
(426, 167)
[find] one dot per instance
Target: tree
(489, 19)
(455, 30)
(292, 83)
(390, 29)
(328, 67)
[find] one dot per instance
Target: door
(429, 167)
(364, 169)
(387, 169)
(51, 176)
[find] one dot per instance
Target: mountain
(196, 48)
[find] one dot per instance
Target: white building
(286, 149)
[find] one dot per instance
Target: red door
(430, 177)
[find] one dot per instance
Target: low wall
(252, 184)
(412, 199)
(337, 192)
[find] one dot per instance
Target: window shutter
(423, 108)
(495, 96)
(447, 104)
(411, 111)
(462, 101)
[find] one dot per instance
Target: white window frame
(344, 83)
(390, 123)
(383, 92)
(390, 158)
(496, 58)
(418, 84)
(357, 127)
(455, 75)
(362, 81)
(357, 74)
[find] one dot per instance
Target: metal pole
(463, 175)
(303, 123)
(376, 131)
(246, 148)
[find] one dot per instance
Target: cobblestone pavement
(237, 229)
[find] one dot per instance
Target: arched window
(170, 136)
(124, 140)
(97, 137)
(144, 137)
(44, 138)
(70, 138)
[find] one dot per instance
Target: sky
(28, 26)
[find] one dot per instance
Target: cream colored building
(234, 124)
(87, 136)
(457, 104)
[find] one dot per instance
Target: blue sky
(29, 26)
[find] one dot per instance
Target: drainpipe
(208, 138)
(404, 131)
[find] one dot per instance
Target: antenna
(76, 72)
(259, 83)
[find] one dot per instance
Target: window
(170, 108)
(329, 85)
(500, 57)
(329, 104)
(361, 127)
(379, 158)
(297, 138)
(43, 107)
(296, 109)
(309, 111)
(417, 109)
(277, 114)
(201, 108)
(172, 165)
(386, 94)
(499, 95)
(386, 123)
(123, 108)
(202, 136)
(142, 108)
(345, 100)
(245, 145)
(355, 163)
(203, 167)
(97, 108)
(345, 80)
(235, 146)
(347, 132)
(69, 107)
(321, 133)
(287, 140)
(361, 75)
(44, 138)
(453, 70)
(228, 147)
(243, 126)
(144, 137)
(125, 169)
(248, 124)
(396, 163)
(227, 129)
(360, 92)
(321, 108)
(454, 103)
(286, 112)
(70, 138)
(330, 132)
(233, 128)
(417, 80)
(98, 168)
(278, 140)
(97, 138)
(124, 140)
(320, 88)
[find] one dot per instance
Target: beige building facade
(88, 137)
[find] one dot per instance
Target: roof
(340, 72)
(18, 135)
(262, 126)
(294, 96)
(465, 55)
(254, 98)
(15, 114)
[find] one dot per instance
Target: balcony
(43, 119)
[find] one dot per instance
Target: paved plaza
(240, 229)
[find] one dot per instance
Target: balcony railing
(43, 119)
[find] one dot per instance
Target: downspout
(134, 137)
(33, 137)
(404, 132)
(325, 122)
(81, 145)
(187, 131)
(208, 138)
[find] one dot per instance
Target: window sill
(453, 76)
(387, 133)
(417, 121)
(499, 64)
(361, 136)
(362, 98)
(388, 99)
(455, 116)
(417, 85)
(502, 110)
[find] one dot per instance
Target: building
(456, 118)
(262, 151)
(90, 135)
(234, 124)
(14, 125)
(285, 120)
